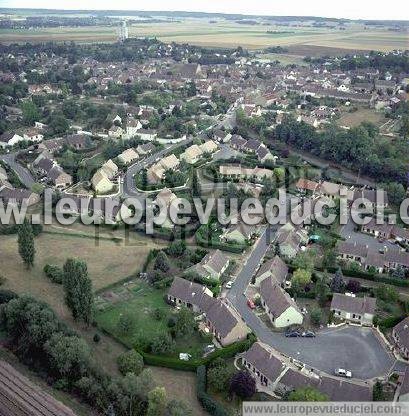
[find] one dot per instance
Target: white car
(229, 284)
(343, 373)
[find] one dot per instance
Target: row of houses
(220, 319)
(50, 172)
(30, 134)
(17, 196)
(156, 172)
(239, 172)
(102, 180)
(368, 257)
(252, 146)
(331, 190)
(386, 231)
(131, 155)
(107, 210)
(196, 152)
(279, 376)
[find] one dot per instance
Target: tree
(162, 343)
(386, 293)
(196, 189)
(156, 402)
(144, 178)
(316, 316)
(377, 393)
(218, 376)
(305, 260)
(396, 193)
(322, 290)
(176, 248)
(178, 408)
(243, 384)
(130, 362)
(353, 286)
(161, 262)
(126, 323)
(31, 113)
(78, 290)
(185, 323)
(70, 355)
(337, 284)
(26, 246)
(301, 278)
(307, 394)
(399, 272)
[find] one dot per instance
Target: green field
(301, 40)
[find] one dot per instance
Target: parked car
(251, 304)
(343, 373)
(229, 284)
(292, 334)
(308, 334)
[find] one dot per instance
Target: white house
(10, 139)
(280, 308)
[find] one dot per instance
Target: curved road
(24, 174)
(352, 347)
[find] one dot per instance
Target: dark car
(308, 334)
(292, 334)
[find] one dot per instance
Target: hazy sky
(354, 9)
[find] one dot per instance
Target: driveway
(350, 235)
(356, 348)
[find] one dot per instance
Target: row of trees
(42, 341)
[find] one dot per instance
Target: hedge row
(362, 274)
(208, 403)
(191, 365)
(221, 246)
(389, 322)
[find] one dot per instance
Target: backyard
(150, 314)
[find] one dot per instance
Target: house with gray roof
(220, 319)
(280, 376)
(353, 309)
(263, 365)
(275, 268)
(280, 308)
(400, 336)
(212, 266)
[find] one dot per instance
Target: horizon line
(175, 12)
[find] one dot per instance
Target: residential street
(23, 173)
(352, 347)
(129, 187)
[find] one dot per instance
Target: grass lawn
(144, 301)
(108, 261)
(362, 114)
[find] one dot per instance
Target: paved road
(24, 175)
(356, 348)
(351, 235)
(129, 186)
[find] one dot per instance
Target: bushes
(232, 248)
(389, 322)
(54, 273)
(192, 365)
(207, 402)
(6, 296)
(130, 362)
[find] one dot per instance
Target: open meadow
(299, 40)
(109, 259)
